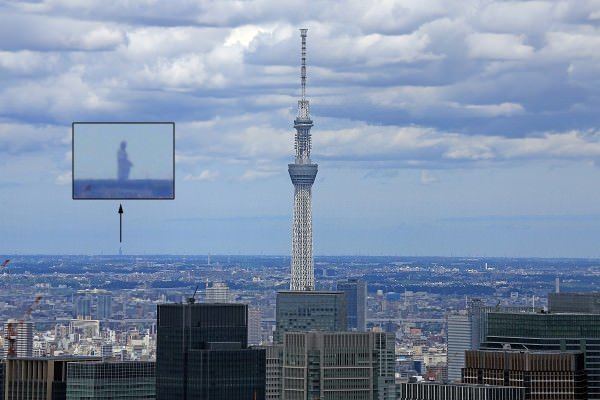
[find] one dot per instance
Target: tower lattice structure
(302, 173)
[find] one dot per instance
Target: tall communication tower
(303, 173)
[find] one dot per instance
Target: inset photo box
(123, 160)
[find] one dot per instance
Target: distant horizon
(289, 256)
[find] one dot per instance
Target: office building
(18, 339)
(461, 336)
(587, 303)
(217, 293)
(83, 305)
(274, 371)
(302, 311)
(254, 326)
(103, 305)
(106, 351)
(550, 332)
(454, 391)
(356, 301)
(38, 378)
(96, 380)
(202, 354)
(338, 366)
(544, 375)
(466, 330)
(302, 173)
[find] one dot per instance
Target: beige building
(338, 366)
(37, 378)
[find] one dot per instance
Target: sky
(149, 148)
(466, 128)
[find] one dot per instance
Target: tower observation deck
(302, 173)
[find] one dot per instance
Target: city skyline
(442, 131)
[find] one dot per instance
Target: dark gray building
(439, 391)
(550, 332)
(2, 369)
(588, 303)
(302, 311)
(356, 302)
(202, 354)
(111, 380)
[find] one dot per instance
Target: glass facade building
(202, 354)
(572, 302)
(111, 380)
(542, 332)
(356, 302)
(303, 311)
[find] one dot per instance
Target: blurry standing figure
(124, 165)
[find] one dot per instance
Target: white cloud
(498, 46)
(205, 175)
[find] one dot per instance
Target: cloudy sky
(442, 127)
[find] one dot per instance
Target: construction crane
(12, 328)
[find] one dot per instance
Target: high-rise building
(545, 375)
(338, 366)
(24, 339)
(202, 354)
(302, 311)
(466, 330)
(96, 380)
(83, 305)
(274, 371)
(571, 302)
(461, 336)
(356, 301)
(254, 326)
(454, 391)
(103, 306)
(302, 173)
(217, 293)
(38, 378)
(549, 332)
(18, 339)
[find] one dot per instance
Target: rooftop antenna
(557, 285)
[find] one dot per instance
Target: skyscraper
(202, 354)
(302, 173)
(297, 311)
(18, 339)
(356, 300)
(338, 366)
(103, 305)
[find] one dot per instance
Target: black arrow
(120, 223)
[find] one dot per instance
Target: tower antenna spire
(303, 33)
(302, 173)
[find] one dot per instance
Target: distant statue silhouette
(124, 165)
